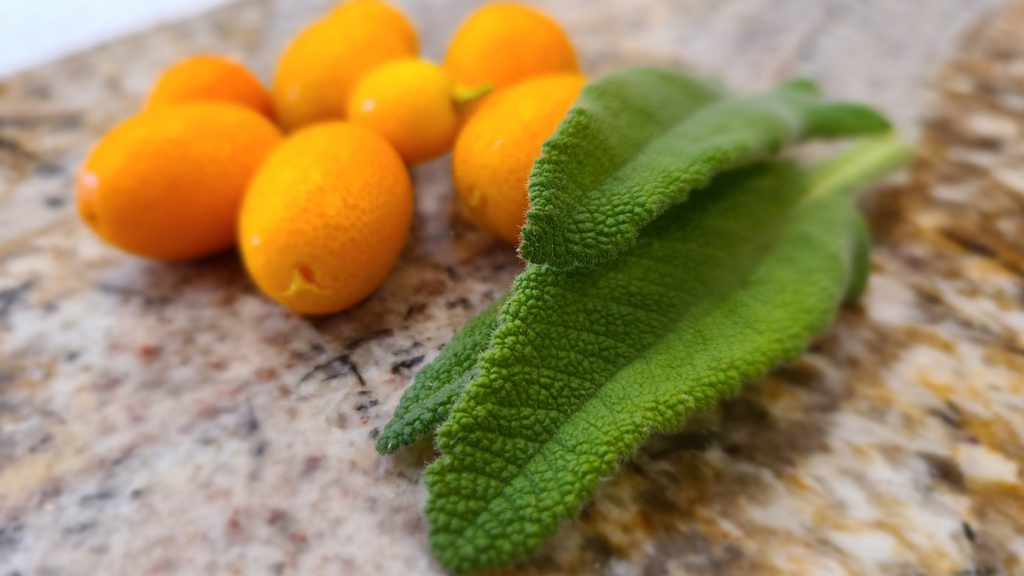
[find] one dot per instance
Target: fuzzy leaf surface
(585, 364)
(437, 386)
(638, 142)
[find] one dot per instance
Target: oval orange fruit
(210, 78)
(319, 68)
(167, 183)
(326, 218)
(495, 150)
(411, 103)
(502, 43)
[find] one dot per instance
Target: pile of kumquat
(310, 178)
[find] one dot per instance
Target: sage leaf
(637, 142)
(439, 384)
(646, 130)
(585, 364)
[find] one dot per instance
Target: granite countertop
(167, 419)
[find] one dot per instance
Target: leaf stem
(859, 165)
(465, 95)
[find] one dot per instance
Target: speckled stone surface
(159, 419)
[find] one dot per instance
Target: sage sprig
(543, 394)
(640, 141)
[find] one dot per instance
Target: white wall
(36, 31)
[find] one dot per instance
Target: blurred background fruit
(411, 102)
(324, 62)
(326, 217)
(495, 150)
(502, 43)
(210, 78)
(167, 183)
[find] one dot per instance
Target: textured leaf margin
(439, 384)
(637, 142)
(585, 364)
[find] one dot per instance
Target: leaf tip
(802, 85)
(389, 440)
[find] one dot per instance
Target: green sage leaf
(638, 142)
(439, 384)
(585, 364)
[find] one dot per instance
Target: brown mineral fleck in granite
(161, 419)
